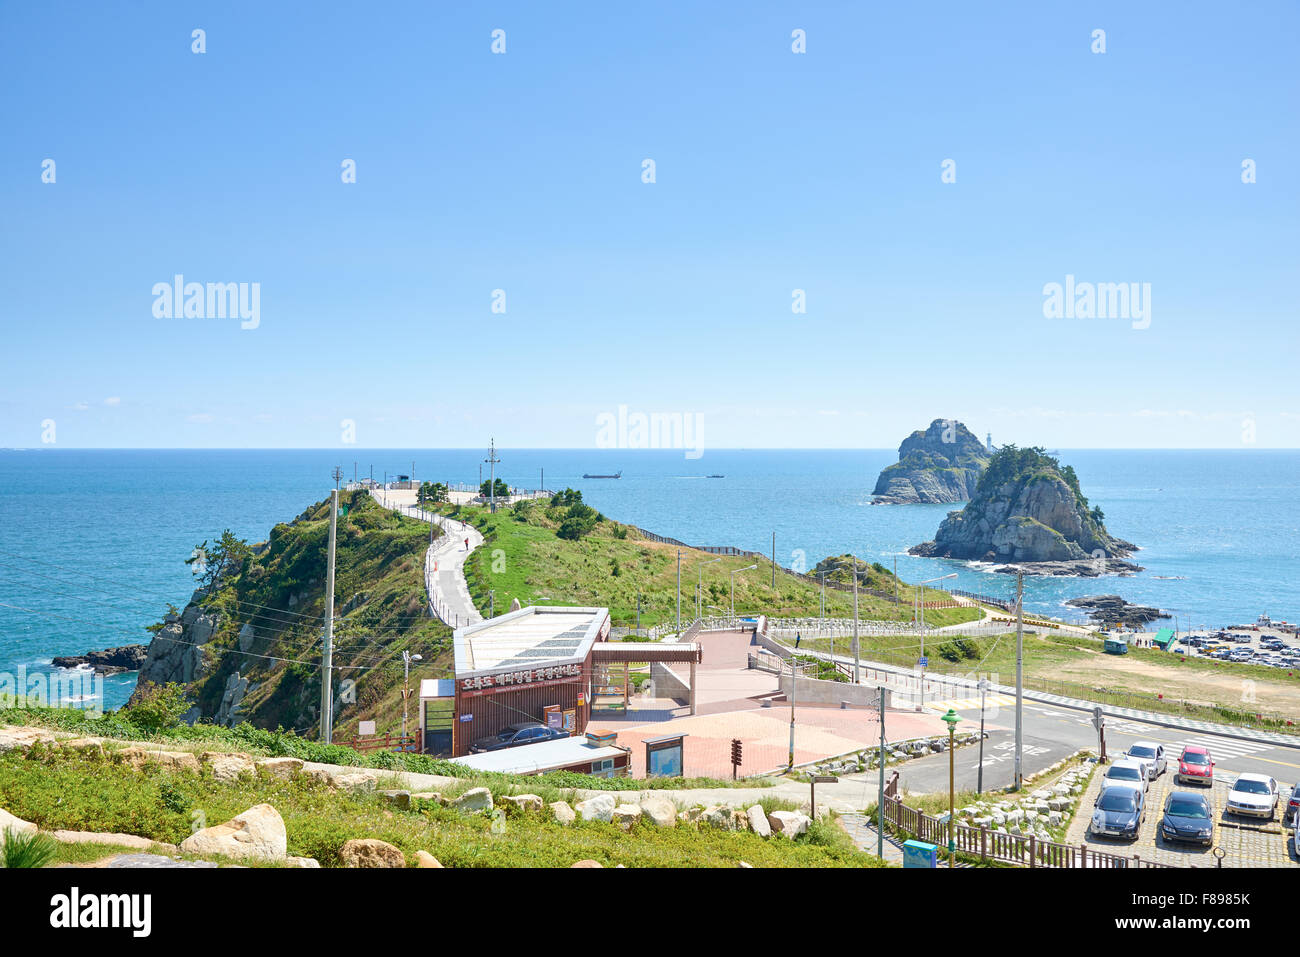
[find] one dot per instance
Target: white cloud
(113, 400)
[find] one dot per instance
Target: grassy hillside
(525, 557)
(278, 588)
(51, 788)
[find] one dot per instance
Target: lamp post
(951, 719)
(699, 585)
(747, 568)
(983, 686)
(407, 658)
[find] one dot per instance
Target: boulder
(739, 820)
(336, 776)
(23, 738)
(397, 798)
(758, 821)
(586, 863)
(475, 799)
(659, 811)
(120, 840)
(279, 767)
(432, 797)
(562, 813)
(257, 833)
(307, 862)
(625, 815)
(9, 822)
(717, 816)
(228, 767)
(788, 823)
(368, 852)
(598, 808)
(425, 859)
(743, 864)
(524, 802)
(138, 757)
(83, 745)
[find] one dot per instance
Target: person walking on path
(467, 544)
(797, 638)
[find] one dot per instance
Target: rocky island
(937, 465)
(1029, 512)
(1114, 610)
(110, 661)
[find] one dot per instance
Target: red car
(1195, 766)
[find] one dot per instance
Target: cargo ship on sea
(618, 474)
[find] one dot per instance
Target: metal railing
(1024, 850)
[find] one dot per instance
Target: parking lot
(1246, 842)
(1270, 646)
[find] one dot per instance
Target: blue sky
(775, 171)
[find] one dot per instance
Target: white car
(1253, 795)
(1150, 755)
(1127, 771)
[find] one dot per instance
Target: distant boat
(618, 474)
(716, 476)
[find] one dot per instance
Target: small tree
(502, 489)
(158, 707)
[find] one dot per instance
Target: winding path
(444, 560)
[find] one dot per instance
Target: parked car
(1126, 771)
(1253, 795)
(1119, 811)
(1195, 766)
(1150, 755)
(1289, 815)
(523, 732)
(1188, 817)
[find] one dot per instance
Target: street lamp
(951, 719)
(407, 658)
(983, 686)
(733, 586)
(699, 585)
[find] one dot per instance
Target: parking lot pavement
(1246, 842)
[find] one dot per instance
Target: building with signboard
(533, 664)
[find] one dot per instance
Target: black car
(523, 732)
(1119, 812)
(1188, 817)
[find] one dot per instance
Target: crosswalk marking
(991, 701)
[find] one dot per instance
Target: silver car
(1150, 755)
(1126, 771)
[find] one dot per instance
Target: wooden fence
(389, 742)
(989, 845)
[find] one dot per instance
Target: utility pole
(880, 798)
(824, 604)
(1020, 673)
(983, 686)
(774, 560)
(679, 592)
(327, 659)
(638, 614)
(895, 579)
(492, 460)
(794, 676)
(336, 475)
(855, 623)
(542, 488)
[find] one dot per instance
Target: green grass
(524, 559)
(27, 850)
(60, 789)
(257, 741)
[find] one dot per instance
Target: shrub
(28, 850)
(158, 708)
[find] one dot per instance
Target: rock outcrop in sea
(940, 464)
(110, 661)
(1029, 512)
(1114, 610)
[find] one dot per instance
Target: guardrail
(1024, 850)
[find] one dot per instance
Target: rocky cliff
(247, 645)
(940, 464)
(1028, 510)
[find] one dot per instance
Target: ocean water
(93, 542)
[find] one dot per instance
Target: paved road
(1051, 733)
(444, 560)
